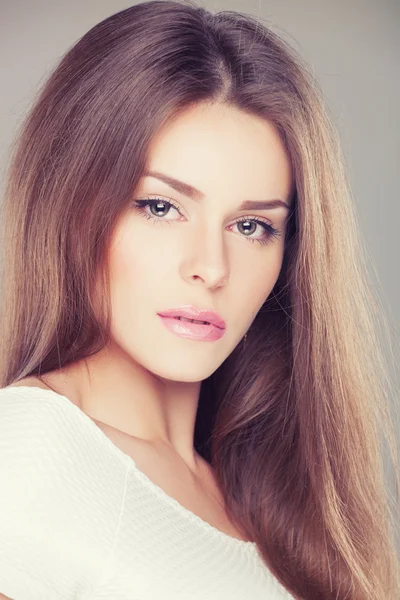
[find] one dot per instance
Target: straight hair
(294, 421)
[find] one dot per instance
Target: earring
(244, 341)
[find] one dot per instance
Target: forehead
(217, 147)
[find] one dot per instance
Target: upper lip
(192, 312)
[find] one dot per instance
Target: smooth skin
(143, 388)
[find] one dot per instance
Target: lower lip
(193, 331)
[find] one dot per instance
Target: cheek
(128, 255)
(256, 279)
(129, 271)
(137, 270)
(132, 291)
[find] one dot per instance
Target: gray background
(353, 48)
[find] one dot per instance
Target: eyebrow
(195, 194)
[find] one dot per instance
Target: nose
(206, 258)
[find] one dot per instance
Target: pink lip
(194, 331)
(191, 312)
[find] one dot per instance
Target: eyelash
(270, 231)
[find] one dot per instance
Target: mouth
(195, 329)
(194, 315)
(193, 321)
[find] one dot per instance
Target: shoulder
(34, 438)
(30, 381)
(29, 414)
(22, 402)
(48, 439)
(32, 501)
(42, 441)
(61, 489)
(53, 452)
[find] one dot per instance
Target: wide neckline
(162, 494)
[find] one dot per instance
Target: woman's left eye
(164, 206)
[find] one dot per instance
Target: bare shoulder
(3, 597)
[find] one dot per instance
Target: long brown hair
(292, 422)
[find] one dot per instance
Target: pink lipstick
(194, 323)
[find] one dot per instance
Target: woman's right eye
(160, 207)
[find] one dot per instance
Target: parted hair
(292, 422)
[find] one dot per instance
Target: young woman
(193, 391)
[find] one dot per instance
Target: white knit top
(80, 521)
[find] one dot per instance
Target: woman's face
(194, 252)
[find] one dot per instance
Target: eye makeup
(269, 232)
